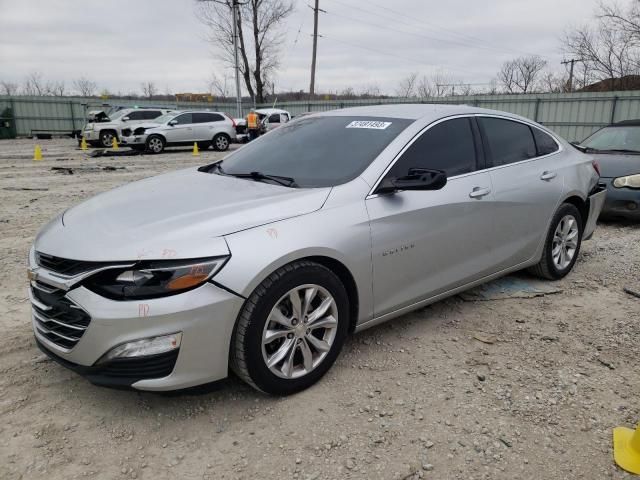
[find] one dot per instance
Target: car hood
(182, 214)
(612, 165)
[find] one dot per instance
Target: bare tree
(348, 93)
(8, 88)
(551, 82)
(424, 88)
(149, 89)
(219, 86)
(85, 87)
(259, 37)
(371, 90)
(521, 74)
(57, 89)
(34, 84)
(611, 48)
(407, 86)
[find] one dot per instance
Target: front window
(615, 138)
(318, 151)
(164, 118)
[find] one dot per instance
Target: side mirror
(172, 123)
(417, 179)
(125, 119)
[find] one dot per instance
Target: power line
(473, 40)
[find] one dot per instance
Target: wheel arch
(581, 204)
(109, 129)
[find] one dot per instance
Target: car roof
(269, 111)
(412, 111)
(627, 123)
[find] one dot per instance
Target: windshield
(615, 138)
(317, 151)
(117, 114)
(164, 118)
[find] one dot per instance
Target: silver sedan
(264, 262)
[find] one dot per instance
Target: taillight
(232, 120)
(596, 166)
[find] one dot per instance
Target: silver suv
(102, 128)
(183, 128)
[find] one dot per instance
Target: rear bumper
(596, 202)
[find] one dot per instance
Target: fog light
(144, 347)
(632, 206)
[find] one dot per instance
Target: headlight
(631, 181)
(151, 279)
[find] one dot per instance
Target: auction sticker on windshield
(368, 124)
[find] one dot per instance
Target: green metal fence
(574, 116)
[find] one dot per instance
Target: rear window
(318, 151)
(508, 141)
(207, 117)
(544, 142)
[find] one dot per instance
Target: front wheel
(562, 244)
(155, 144)
(106, 138)
(291, 329)
(221, 142)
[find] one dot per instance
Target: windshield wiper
(286, 181)
(623, 150)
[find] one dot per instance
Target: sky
(365, 43)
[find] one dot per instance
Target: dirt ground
(419, 397)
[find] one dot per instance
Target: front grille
(65, 266)
(56, 317)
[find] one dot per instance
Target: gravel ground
(419, 397)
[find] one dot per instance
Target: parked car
(617, 149)
(101, 128)
(270, 118)
(264, 262)
(183, 128)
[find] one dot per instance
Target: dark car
(617, 150)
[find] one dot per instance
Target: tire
(562, 245)
(221, 142)
(106, 138)
(302, 363)
(155, 144)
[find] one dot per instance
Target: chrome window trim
(371, 193)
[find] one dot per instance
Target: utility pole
(572, 62)
(233, 5)
(312, 88)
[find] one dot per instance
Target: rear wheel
(155, 144)
(562, 245)
(291, 329)
(221, 142)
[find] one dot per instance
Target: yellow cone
(114, 144)
(37, 153)
(83, 144)
(626, 448)
(196, 152)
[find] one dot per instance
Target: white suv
(183, 128)
(101, 128)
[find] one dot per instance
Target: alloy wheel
(222, 143)
(155, 145)
(565, 242)
(299, 331)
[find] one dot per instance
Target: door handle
(547, 175)
(479, 192)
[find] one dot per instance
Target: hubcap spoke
(309, 295)
(272, 335)
(326, 322)
(307, 356)
(278, 317)
(318, 344)
(296, 305)
(321, 310)
(287, 367)
(280, 353)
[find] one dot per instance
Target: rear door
(427, 242)
(527, 184)
(206, 125)
(182, 131)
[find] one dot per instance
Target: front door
(428, 242)
(182, 131)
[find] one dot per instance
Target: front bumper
(205, 316)
(134, 140)
(621, 202)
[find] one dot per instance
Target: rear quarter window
(545, 144)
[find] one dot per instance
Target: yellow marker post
(83, 144)
(626, 448)
(37, 153)
(196, 152)
(114, 144)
